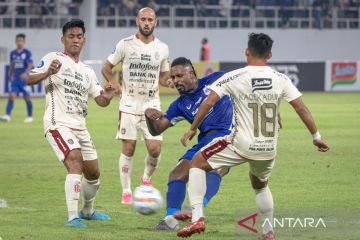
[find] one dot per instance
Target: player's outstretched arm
(309, 122)
(165, 80)
(108, 75)
(35, 78)
(105, 96)
(156, 121)
(204, 109)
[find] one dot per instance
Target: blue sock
(29, 108)
(175, 196)
(9, 107)
(213, 180)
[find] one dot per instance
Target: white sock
(171, 221)
(125, 169)
(72, 194)
(265, 205)
(151, 164)
(89, 190)
(197, 190)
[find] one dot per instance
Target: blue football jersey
(20, 61)
(187, 105)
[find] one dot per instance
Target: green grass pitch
(32, 180)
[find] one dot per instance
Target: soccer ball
(147, 200)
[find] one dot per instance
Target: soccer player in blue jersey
(218, 123)
(20, 65)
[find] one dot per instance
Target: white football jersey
(256, 92)
(141, 67)
(67, 92)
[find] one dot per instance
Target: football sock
(265, 205)
(29, 108)
(9, 107)
(197, 189)
(89, 189)
(171, 221)
(175, 196)
(72, 194)
(125, 169)
(151, 164)
(213, 180)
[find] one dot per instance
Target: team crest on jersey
(206, 90)
(123, 131)
(41, 64)
(261, 84)
(157, 56)
(70, 141)
(23, 56)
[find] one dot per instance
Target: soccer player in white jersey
(145, 65)
(256, 91)
(68, 82)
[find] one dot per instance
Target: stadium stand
(295, 14)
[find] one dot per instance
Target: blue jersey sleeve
(29, 59)
(173, 114)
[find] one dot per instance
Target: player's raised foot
(28, 120)
(96, 215)
(76, 222)
(126, 198)
(192, 227)
(268, 236)
(5, 118)
(146, 182)
(184, 215)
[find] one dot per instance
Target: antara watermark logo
(284, 222)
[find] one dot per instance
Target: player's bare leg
(74, 164)
(152, 160)
(89, 188)
(197, 190)
(265, 205)
(125, 169)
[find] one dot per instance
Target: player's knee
(154, 151)
(179, 174)
(256, 183)
(128, 148)
(74, 162)
(12, 96)
(92, 175)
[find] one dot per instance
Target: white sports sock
(171, 221)
(125, 169)
(197, 189)
(265, 205)
(89, 190)
(72, 194)
(151, 164)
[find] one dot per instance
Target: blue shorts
(19, 85)
(203, 140)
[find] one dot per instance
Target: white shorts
(221, 153)
(129, 125)
(63, 140)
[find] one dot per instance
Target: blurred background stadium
(316, 41)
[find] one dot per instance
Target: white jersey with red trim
(256, 92)
(141, 67)
(67, 92)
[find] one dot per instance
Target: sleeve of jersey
(29, 58)
(95, 87)
(290, 92)
(221, 86)
(165, 63)
(44, 63)
(173, 114)
(118, 54)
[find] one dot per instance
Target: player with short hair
(21, 63)
(145, 64)
(68, 82)
(256, 91)
(193, 92)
